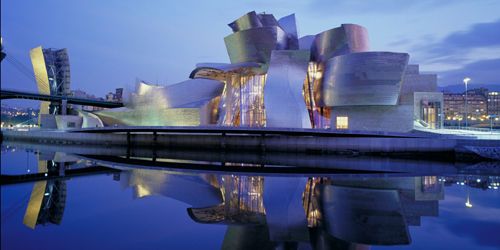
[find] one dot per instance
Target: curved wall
(283, 99)
(367, 78)
(348, 38)
(255, 45)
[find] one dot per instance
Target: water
(128, 206)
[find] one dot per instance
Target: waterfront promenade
(412, 145)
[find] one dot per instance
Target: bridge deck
(14, 94)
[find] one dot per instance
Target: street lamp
(466, 80)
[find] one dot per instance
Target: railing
(472, 128)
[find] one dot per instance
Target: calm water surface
(131, 207)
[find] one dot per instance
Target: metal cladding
(348, 38)
(256, 35)
(367, 78)
(247, 21)
(285, 106)
(184, 94)
(188, 103)
(275, 79)
(290, 27)
(256, 44)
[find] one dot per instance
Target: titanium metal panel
(192, 91)
(289, 25)
(177, 95)
(306, 42)
(255, 45)
(153, 116)
(283, 99)
(268, 20)
(247, 21)
(348, 38)
(367, 78)
(183, 104)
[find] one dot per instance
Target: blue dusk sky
(114, 42)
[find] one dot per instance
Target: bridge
(14, 94)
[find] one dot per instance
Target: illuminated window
(342, 122)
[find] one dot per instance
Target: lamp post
(466, 80)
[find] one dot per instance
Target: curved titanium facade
(368, 78)
(189, 103)
(348, 38)
(289, 25)
(284, 103)
(255, 45)
(248, 21)
(184, 94)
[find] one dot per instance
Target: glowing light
(466, 80)
(467, 203)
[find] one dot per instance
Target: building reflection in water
(273, 211)
(48, 198)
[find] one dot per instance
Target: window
(71, 124)
(342, 122)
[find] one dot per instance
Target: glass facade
(430, 114)
(242, 102)
(319, 114)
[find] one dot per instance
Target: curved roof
(348, 38)
(223, 67)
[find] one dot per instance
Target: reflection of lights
(461, 183)
(495, 187)
(489, 187)
(468, 204)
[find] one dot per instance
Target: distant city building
(110, 97)
(85, 95)
(493, 101)
(477, 106)
(119, 95)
